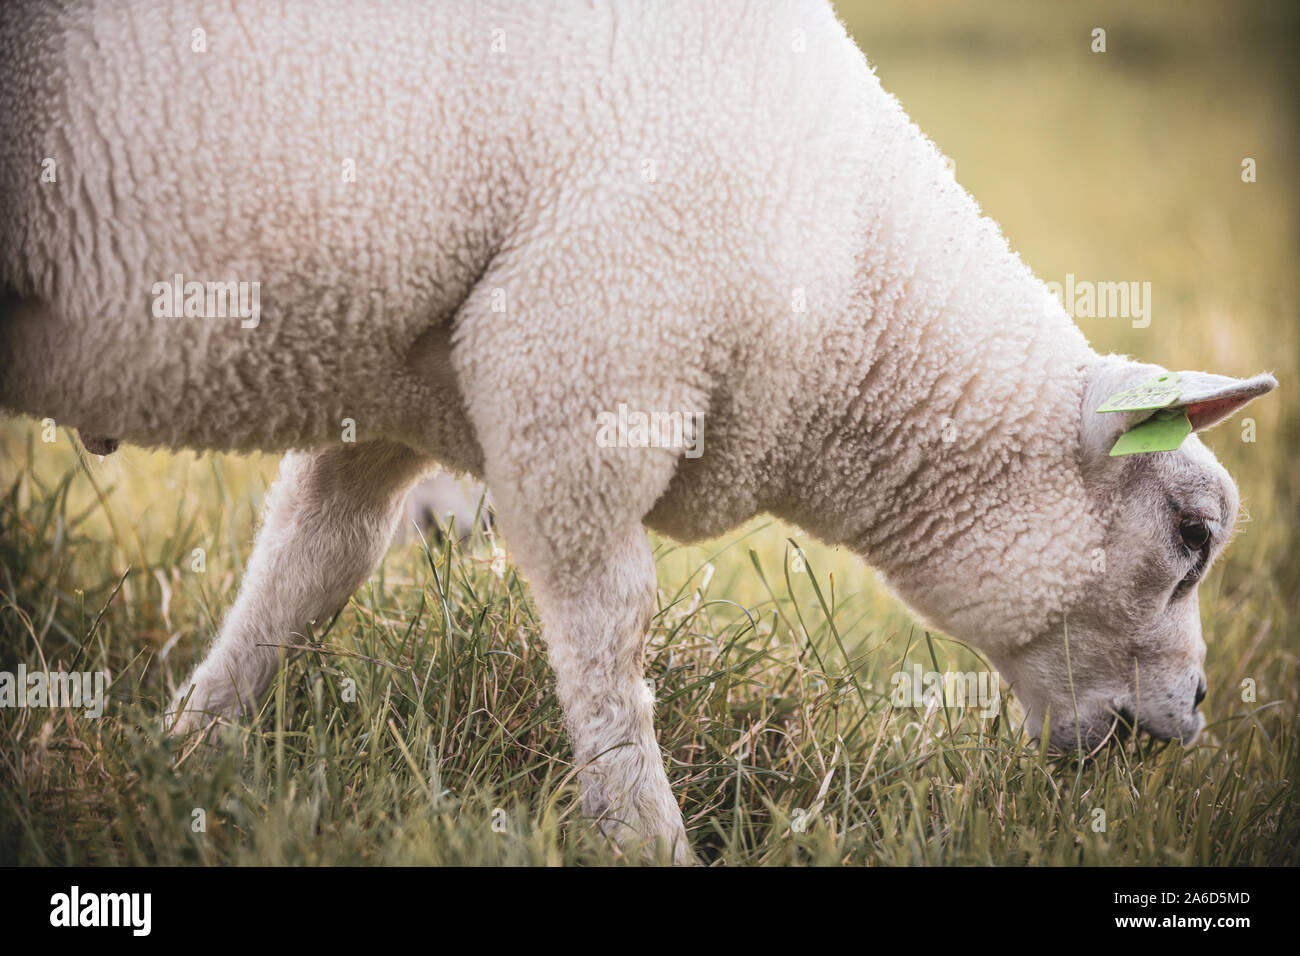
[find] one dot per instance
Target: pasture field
(423, 726)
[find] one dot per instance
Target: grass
(423, 727)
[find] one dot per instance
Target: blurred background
(1123, 165)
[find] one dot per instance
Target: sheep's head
(1135, 651)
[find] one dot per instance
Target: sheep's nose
(1200, 693)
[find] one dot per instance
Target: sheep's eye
(1194, 534)
(1196, 538)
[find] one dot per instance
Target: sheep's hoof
(183, 718)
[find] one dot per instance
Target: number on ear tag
(1159, 392)
(1164, 431)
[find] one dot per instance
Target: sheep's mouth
(1125, 726)
(99, 446)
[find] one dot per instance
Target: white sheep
(496, 237)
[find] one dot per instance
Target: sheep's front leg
(595, 609)
(329, 518)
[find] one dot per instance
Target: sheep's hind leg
(329, 518)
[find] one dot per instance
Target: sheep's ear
(1131, 407)
(1210, 399)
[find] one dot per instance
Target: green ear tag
(1159, 392)
(1164, 431)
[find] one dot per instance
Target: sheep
(557, 249)
(442, 504)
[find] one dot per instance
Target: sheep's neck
(945, 435)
